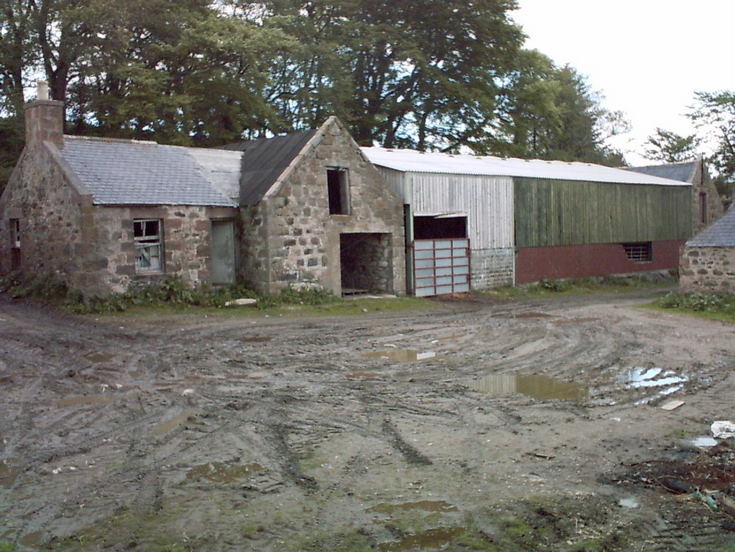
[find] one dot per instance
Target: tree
(551, 113)
(670, 147)
(412, 74)
(714, 115)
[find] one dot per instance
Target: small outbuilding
(708, 259)
(301, 210)
(484, 222)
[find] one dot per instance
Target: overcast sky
(647, 57)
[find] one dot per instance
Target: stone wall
(290, 238)
(492, 268)
(186, 243)
(702, 183)
(49, 211)
(709, 269)
(92, 247)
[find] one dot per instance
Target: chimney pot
(41, 90)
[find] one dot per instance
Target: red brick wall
(580, 261)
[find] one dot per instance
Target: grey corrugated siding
(486, 200)
(133, 173)
(674, 171)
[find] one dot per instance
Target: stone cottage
(306, 209)
(708, 259)
(706, 203)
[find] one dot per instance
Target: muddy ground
(522, 431)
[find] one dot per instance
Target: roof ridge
(114, 140)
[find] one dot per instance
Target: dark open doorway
(366, 263)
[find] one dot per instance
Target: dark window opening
(432, 228)
(640, 252)
(338, 188)
(148, 251)
(14, 244)
(703, 207)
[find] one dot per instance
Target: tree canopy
(444, 76)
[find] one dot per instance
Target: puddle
(704, 442)
(99, 357)
(629, 503)
(533, 315)
(364, 375)
(32, 540)
(651, 377)
(425, 505)
(538, 387)
(85, 400)
(403, 355)
(9, 471)
(255, 339)
(174, 422)
(577, 320)
(426, 540)
(224, 472)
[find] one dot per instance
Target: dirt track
(287, 434)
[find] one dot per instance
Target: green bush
(554, 285)
(698, 302)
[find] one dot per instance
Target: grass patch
(172, 295)
(706, 305)
(574, 286)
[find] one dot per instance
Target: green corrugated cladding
(565, 212)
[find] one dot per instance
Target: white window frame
(148, 237)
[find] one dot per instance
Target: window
(640, 252)
(15, 233)
(702, 207)
(338, 188)
(147, 235)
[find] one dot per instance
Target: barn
(480, 222)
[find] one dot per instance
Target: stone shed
(302, 210)
(314, 211)
(708, 259)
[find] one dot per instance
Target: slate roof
(263, 161)
(128, 172)
(674, 171)
(444, 163)
(720, 233)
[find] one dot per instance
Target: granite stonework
(704, 187)
(708, 269)
(88, 246)
(289, 238)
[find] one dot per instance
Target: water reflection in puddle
(651, 377)
(224, 472)
(704, 442)
(425, 505)
(403, 355)
(538, 387)
(431, 539)
(9, 471)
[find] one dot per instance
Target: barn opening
(366, 263)
(434, 227)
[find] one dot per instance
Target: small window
(703, 207)
(640, 252)
(147, 234)
(338, 188)
(15, 233)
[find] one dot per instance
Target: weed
(6, 547)
(713, 305)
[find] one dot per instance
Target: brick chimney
(44, 118)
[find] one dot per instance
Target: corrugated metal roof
(674, 171)
(720, 233)
(263, 161)
(444, 163)
(124, 172)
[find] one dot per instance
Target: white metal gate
(441, 266)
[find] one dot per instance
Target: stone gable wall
(702, 182)
(708, 269)
(50, 216)
(291, 239)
